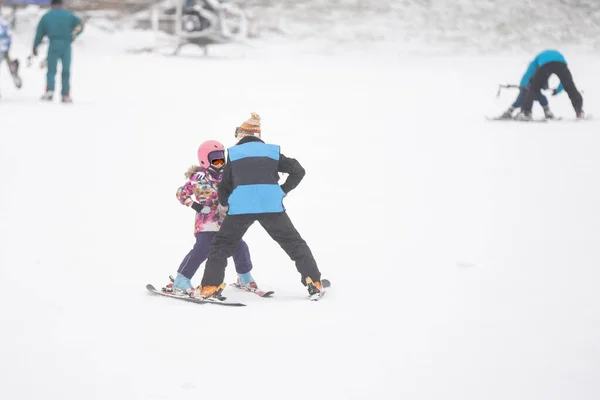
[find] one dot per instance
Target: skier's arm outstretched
(294, 170)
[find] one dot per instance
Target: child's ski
(257, 291)
(190, 299)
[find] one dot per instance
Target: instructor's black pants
(541, 77)
(278, 226)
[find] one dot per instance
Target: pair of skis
(588, 117)
(224, 301)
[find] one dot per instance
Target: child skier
(524, 88)
(250, 192)
(61, 27)
(202, 184)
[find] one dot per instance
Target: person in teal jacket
(546, 63)
(524, 87)
(61, 27)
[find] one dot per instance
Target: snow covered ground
(463, 254)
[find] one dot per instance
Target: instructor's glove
(222, 211)
(35, 53)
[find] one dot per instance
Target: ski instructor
(250, 192)
(61, 27)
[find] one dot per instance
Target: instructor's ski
(190, 299)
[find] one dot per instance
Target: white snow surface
(463, 254)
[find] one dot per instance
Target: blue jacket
(251, 175)
(545, 57)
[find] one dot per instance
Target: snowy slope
(464, 254)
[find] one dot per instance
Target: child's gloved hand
(200, 208)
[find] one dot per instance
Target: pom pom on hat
(250, 126)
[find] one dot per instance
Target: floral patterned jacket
(202, 188)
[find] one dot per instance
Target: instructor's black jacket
(286, 165)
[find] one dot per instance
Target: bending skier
(202, 184)
(545, 64)
(61, 27)
(250, 192)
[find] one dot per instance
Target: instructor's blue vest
(256, 189)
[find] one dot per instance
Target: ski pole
(507, 86)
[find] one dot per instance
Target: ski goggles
(217, 158)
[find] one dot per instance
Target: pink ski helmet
(209, 151)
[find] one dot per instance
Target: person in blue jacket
(250, 192)
(547, 63)
(61, 27)
(524, 88)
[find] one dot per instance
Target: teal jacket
(542, 58)
(61, 27)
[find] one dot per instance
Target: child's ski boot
(246, 281)
(181, 285)
(507, 114)
(523, 116)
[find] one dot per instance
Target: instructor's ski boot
(314, 288)
(548, 114)
(523, 116)
(48, 96)
(209, 292)
(580, 114)
(67, 99)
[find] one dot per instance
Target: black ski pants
(540, 78)
(278, 226)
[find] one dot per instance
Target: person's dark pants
(200, 251)
(278, 226)
(541, 77)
